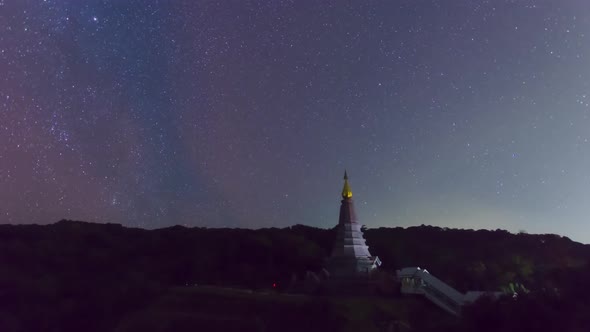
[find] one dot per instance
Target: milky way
(470, 114)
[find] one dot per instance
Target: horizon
(290, 226)
(470, 115)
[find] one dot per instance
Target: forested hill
(467, 259)
(69, 269)
(482, 259)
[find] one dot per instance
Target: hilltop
(74, 275)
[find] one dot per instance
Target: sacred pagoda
(350, 257)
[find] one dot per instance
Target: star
(166, 116)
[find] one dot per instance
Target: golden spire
(346, 191)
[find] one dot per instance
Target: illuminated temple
(350, 264)
(350, 257)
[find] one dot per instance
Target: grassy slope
(220, 309)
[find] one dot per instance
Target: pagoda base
(351, 267)
(350, 286)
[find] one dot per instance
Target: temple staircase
(418, 281)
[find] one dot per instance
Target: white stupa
(350, 257)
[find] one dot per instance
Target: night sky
(468, 114)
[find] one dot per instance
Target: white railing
(418, 281)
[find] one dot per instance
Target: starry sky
(463, 114)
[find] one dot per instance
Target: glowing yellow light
(346, 191)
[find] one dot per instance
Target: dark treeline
(482, 259)
(73, 276)
(552, 274)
